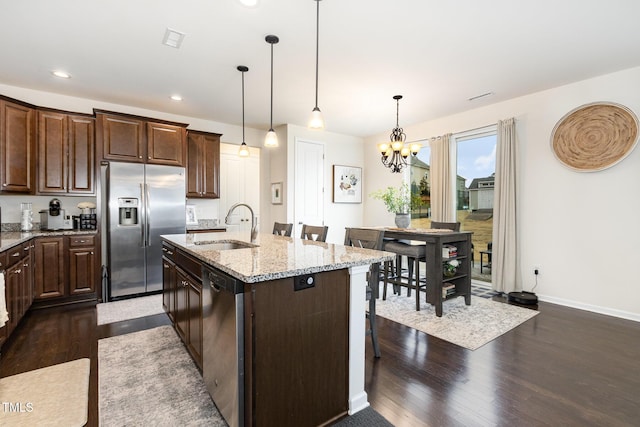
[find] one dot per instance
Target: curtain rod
(433, 138)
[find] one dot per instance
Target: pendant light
(317, 121)
(395, 153)
(244, 150)
(271, 140)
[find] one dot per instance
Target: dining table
(441, 247)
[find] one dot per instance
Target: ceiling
(437, 54)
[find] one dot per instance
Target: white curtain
(442, 184)
(504, 259)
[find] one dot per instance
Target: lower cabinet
(188, 315)
(65, 266)
(182, 298)
(18, 286)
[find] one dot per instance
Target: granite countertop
(273, 257)
(9, 239)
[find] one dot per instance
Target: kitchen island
(288, 346)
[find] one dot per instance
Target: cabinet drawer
(14, 254)
(76, 241)
(168, 251)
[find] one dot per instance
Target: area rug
(467, 326)
(147, 378)
(57, 395)
(132, 308)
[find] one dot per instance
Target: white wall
(580, 229)
(339, 150)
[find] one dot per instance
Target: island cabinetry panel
(296, 350)
(17, 147)
(66, 153)
(203, 165)
(189, 313)
(169, 281)
(136, 139)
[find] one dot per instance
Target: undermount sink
(224, 245)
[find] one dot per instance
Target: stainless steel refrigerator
(144, 201)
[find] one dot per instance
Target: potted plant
(399, 201)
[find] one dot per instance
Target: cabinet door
(17, 145)
(203, 165)
(169, 287)
(166, 144)
(52, 152)
(12, 286)
(123, 138)
(82, 155)
(49, 267)
(194, 291)
(181, 314)
(82, 270)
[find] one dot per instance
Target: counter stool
(414, 254)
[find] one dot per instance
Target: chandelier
(395, 152)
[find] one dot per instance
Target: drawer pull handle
(15, 255)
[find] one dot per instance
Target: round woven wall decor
(595, 136)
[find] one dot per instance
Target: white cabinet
(239, 183)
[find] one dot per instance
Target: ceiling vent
(173, 38)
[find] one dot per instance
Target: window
(420, 182)
(475, 182)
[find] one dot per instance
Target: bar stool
(414, 254)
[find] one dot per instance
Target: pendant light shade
(317, 121)
(271, 139)
(244, 149)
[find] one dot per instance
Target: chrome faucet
(254, 223)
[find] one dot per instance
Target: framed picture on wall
(347, 184)
(192, 219)
(276, 193)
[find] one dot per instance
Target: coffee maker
(54, 218)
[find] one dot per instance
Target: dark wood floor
(564, 367)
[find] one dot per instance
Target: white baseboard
(594, 308)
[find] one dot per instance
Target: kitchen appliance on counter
(223, 343)
(54, 218)
(144, 201)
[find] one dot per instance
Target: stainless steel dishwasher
(223, 343)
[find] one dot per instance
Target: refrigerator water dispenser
(128, 211)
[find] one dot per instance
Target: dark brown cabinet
(66, 153)
(168, 281)
(17, 147)
(166, 144)
(65, 266)
(18, 291)
(50, 275)
(136, 139)
(203, 165)
(182, 298)
(82, 265)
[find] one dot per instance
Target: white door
(309, 184)
(239, 183)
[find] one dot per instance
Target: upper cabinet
(66, 153)
(17, 147)
(136, 139)
(203, 165)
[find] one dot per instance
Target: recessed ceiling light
(173, 38)
(249, 3)
(61, 74)
(176, 97)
